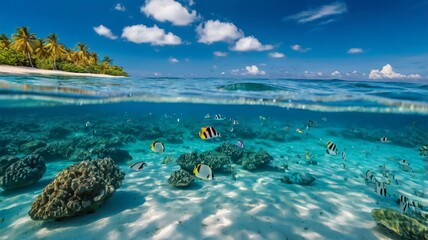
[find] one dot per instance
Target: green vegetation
(24, 49)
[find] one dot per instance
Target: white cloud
(220, 54)
(254, 70)
(153, 35)
(355, 50)
(169, 10)
(120, 7)
(319, 13)
(297, 47)
(336, 74)
(216, 31)
(250, 44)
(276, 55)
(388, 72)
(104, 31)
(173, 60)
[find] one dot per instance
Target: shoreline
(19, 70)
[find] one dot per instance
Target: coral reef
(180, 178)
(22, 172)
(31, 146)
(233, 151)
(214, 160)
(78, 189)
(400, 224)
(118, 155)
(188, 161)
(56, 150)
(298, 178)
(256, 160)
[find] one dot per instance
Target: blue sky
(364, 39)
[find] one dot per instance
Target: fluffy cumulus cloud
(254, 70)
(355, 50)
(168, 10)
(120, 7)
(276, 55)
(153, 35)
(250, 44)
(388, 73)
(173, 60)
(104, 31)
(298, 48)
(215, 31)
(220, 54)
(336, 74)
(322, 12)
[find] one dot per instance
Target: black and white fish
(380, 188)
(138, 166)
(310, 124)
(208, 133)
(344, 156)
(235, 122)
(219, 117)
(207, 116)
(157, 146)
(405, 165)
(203, 172)
(240, 144)
(406, 204)
(384, 139)
(89, 124)
(331, 148)
(370, 177)
(423, 151)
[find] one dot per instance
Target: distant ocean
(371, 126)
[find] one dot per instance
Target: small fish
(310, 124)
(405, 165)
(331, 148)
(235, 122)
(344, 155)
(203, 172)
(343, 166)
(231, 129)
(207, 116)
(380, 188)
(324, 119)
(240, 144)
(94, 132)
(384, 139)
(423, 151)
(168, 160)
(89, 124)
(219, 117)
(298, 130)
(308, 156)
(370, 177)
(208, 133)
(406, 203)
(138, 166)
(157, 146)
(263, 118)
(178, 120)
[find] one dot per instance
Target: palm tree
(93, 58)
(39, 49)
(54, 48)
(107, 60)
(23, 42)
(69, 55)
(82, 53)
(4, 41)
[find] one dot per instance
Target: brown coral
(78, 189)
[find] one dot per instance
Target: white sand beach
(15, 70)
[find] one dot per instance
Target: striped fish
(203, 172)
(219, 117)
(138, 166)
(331, 148)
(208, 133)
(380, 188)
(384, 139)
(406, 203)
(370, 177)
(423, 151)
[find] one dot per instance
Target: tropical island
(26, 50)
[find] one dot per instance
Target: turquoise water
(130, 113)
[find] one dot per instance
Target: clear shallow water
(131, 113)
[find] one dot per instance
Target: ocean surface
(373, 125)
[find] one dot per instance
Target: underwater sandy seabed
(251, 205)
